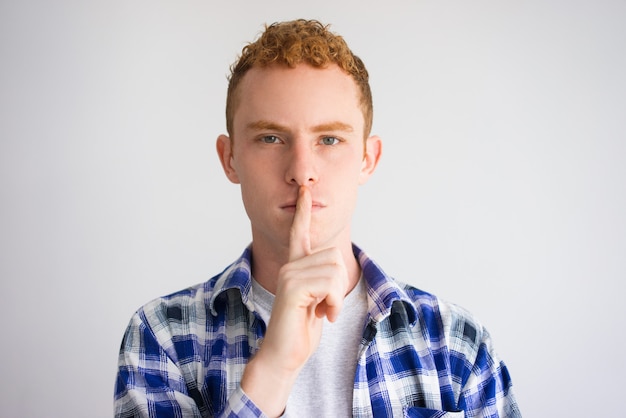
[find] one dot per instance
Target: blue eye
(270, 139)
(329, 140)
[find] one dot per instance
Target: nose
(301, 166)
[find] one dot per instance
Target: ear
(225, 154)
(373, 151)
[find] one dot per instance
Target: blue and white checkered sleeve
(486, 388)
(239, 405)
(149, 383)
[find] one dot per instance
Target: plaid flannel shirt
(183, 355)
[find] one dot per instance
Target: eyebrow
(333, 126)
(264, 125)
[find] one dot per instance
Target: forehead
(304, 94)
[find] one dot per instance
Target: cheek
(252, 201)
(257, 189)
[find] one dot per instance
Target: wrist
(268, 384)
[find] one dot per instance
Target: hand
(311, 286)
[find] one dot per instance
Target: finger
(322, 280)
(330, 307)
(299, 238)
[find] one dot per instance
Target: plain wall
(502, 185)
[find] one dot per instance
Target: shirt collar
(237, 276)
(383, 291)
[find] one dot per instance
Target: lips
(291, 206)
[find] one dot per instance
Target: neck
(267, 261)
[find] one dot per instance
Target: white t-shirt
(325, 385)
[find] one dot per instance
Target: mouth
(291, 206)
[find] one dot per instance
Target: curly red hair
(294, 42)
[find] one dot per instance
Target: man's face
(292, 127)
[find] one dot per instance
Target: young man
(304, 323)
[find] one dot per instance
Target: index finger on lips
(299, 236)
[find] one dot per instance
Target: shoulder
(178, 313)
(175, 323)
(175, 305)
(463, 349)
(445, 322)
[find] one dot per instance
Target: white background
(502, 186)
